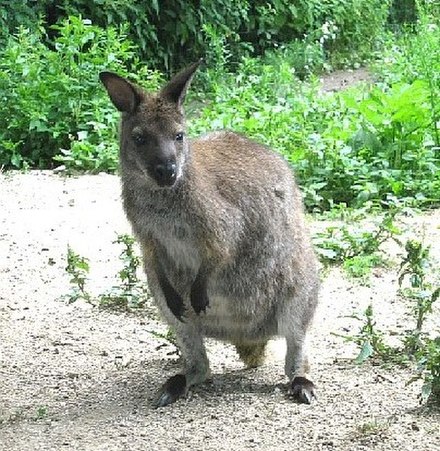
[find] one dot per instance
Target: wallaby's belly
(241, 306)
(244, 294)
(232, 319)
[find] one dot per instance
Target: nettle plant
(78, 269)
(130, 293)
(418, 346)
(423, 291)
(356, 243)
(415, 268)
(394, 138)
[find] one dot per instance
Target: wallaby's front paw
(199, 296)
(172, 298)
(173, 389)
(302, 390)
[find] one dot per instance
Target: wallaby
(221, 226)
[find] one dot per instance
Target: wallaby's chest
(177, 238)
(169, 224)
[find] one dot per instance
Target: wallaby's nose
(165, 173)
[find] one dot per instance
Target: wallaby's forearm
(199, 290)
(172, 298)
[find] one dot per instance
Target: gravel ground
(74, 377)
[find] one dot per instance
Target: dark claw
(173, 389)
(302, 390)
(199, 296)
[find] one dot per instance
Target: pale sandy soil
(341, 79)
(74, 377)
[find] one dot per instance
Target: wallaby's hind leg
(252, 354)
(196, 366)
(294, 327)
(297, 368)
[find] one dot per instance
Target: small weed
(369, 338)
(78, 269)
(372, 427)
(131, 261)
(130, 293)
(428, 359)
(41, 413)
(415, 266)
(360, 266)
(356, 247)
(416, 345)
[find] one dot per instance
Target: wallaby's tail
(252, 354)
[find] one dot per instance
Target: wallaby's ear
(175, 90)
(123, 94)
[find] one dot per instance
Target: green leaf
(366, 352)
(426, 391)
(328, 254)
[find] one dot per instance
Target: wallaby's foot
(173, 389)
(302, 389)
(199, 295)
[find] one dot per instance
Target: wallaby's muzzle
(165, 174)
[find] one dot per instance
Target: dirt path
(342, 79)
(73, 377)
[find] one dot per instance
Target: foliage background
(169, 32)
(375, 143)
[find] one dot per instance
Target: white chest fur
(181, 248)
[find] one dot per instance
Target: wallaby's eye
(179, 136)
(139, 140)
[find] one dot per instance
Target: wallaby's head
(153, 141)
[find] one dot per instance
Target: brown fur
(252, 354)
(226, 250)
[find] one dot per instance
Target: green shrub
(415, 57)
(306, 57)
(395, 139)
(52, 105)
(403, 12)
(349, 29)
(170, 33)
(16, 13)
(351, 147)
